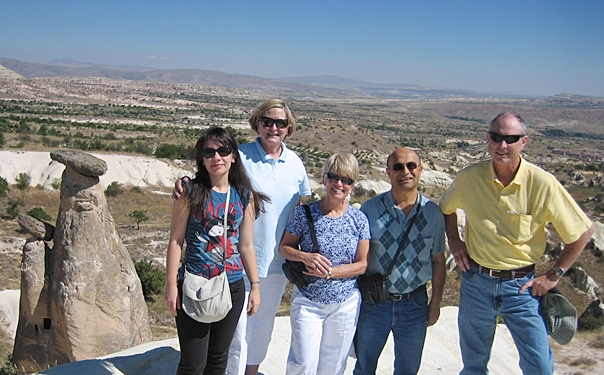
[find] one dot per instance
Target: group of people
(507, 201)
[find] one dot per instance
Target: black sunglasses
(209, 152)
(335, 178)
(509, 139)
(268, 122)
(400, 166)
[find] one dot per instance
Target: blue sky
(528, 47)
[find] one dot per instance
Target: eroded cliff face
(80, 295)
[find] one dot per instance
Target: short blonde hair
(343, 164)
(265, 107)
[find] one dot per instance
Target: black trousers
(204, 347)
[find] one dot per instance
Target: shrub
(170, 151)
(136, 189)
(590, 323)
(8, 367)
(22, 180)
(13, 207)
(152, 278)
(4, 188)
(114, 189)
(56, 183)
(40, 214)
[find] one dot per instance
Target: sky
(526, 47)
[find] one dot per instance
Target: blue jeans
(482, 298)
(407, 319)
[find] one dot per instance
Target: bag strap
(311, 226)
(224, 224)
(405, 236)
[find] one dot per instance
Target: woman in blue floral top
(324, 313)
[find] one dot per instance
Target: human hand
(433, 313)
(178, 187)
(253, 301)
(460, 254)
(317, 265)
(171, 299)
(540, 285)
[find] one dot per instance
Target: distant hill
(321, 86)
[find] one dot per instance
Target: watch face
(559, 272)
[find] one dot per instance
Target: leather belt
(398, 297)
(504, 274)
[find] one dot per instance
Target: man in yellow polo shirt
(508, 202)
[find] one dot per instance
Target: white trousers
(321, 335)
(253, 334)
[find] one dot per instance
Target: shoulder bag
(208, 300)
(294, 271)
(373, 287)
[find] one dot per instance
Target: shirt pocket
(521, 228)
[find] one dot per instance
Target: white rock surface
(441, 354)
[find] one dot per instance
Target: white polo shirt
(284, 181)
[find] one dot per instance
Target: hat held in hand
(560, 316)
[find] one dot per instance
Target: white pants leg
(321, 335)
(260, 325)
(238, 348)
(253, 334)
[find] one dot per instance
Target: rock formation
(80, 295)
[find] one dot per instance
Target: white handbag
(208, 300)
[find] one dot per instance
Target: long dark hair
(201, 186)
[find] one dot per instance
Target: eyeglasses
(335, 178)
(411, 166)
(268, 122)
(209, 152)
(509, 139)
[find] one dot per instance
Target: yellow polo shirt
(505, 226)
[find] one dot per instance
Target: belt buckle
(491, 273)
(396, 297)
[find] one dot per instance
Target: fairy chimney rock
(81, 297)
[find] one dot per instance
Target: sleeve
(566, 215)
(439, 230)
(297, 223)
(364, 233)
(304, 186)
(450, 200)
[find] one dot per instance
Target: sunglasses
(268, 122)
(411, 166)
(335, 178)
(209, 152)
(509, 139)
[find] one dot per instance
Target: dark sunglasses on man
(509, 139)
(209, 152)
(268, 122)
(411, 166)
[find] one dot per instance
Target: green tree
(114, 189)
(152, 278)
(40, 214)
(23, 180)
(13, 209)
(138, 216)
(2, 140)
(4, 188)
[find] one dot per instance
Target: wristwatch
(329, 274)
(559, 272)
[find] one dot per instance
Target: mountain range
(317, 86)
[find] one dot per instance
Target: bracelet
(329, 274)
(255, 282)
